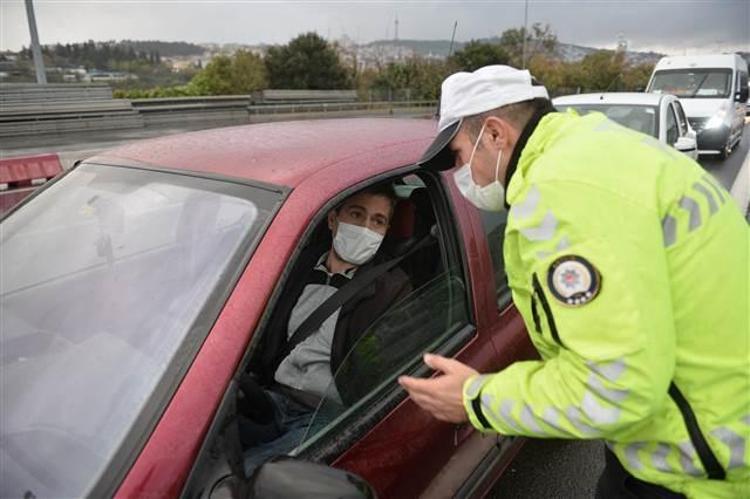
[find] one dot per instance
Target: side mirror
(742, 95)
(685, 144)
(285, 477)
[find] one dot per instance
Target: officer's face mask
(356, 244)
(490, 197)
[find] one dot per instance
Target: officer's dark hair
(517, 114)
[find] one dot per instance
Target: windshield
(639, 118)
(693, 83)
(111, 278)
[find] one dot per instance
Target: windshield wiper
(699, 85)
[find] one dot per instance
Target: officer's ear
(500, 133)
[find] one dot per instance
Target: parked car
(714, 90)
(660, 116)
(138, 286)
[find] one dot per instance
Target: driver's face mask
(355, 244)
(490, 197)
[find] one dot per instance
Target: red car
(137, 287)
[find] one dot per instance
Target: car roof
(281, 153)
(615, 98)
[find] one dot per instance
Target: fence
(41, 109)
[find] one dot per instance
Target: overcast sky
(669, 26)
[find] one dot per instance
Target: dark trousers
(616, 483)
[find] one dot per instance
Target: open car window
(393, 344)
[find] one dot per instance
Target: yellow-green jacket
(629, 265)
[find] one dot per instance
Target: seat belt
(342, 295)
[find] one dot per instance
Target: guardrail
(280, 96)
(324, 107)
(30, 93)
(45, 115)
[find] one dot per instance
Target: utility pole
(525, 24)
(41, 76)
(453, 37)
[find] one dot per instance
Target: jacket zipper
(547, 310)
(705, 454)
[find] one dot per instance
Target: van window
(694, 83)
(741, 81)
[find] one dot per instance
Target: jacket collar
(526, 133)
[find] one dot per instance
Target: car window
(494, 229)
(682, 120)
(673, 132)
(636, 117)
(435, 309)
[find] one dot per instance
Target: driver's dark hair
(383, 190)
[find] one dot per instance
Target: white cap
(466, 94)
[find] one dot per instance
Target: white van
(713, 89)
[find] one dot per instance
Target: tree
(635, 77)
(540, 40)
(413, 79)
(307, 62)
(602, 70)
(242, 73)
(215, 78)
(248, 73)
(476, 54)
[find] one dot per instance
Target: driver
(305, 375)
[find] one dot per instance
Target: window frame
(366, 414)
(670, 112)
(682, 121)
(504, 296)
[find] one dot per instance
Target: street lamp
(525, 23)
(41, 76)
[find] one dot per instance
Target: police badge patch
(573, 280)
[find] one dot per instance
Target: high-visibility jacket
(629, 265)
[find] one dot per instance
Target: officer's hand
(441, 396)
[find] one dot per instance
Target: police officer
(629, 265)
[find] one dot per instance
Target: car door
(385, 438)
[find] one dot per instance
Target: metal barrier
(19, 177)
(27, 93)
(325, 107)
(209, 109)
(30, 109)
(281, 96)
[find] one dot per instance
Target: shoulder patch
(573, 280)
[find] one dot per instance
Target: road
(569, 469)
